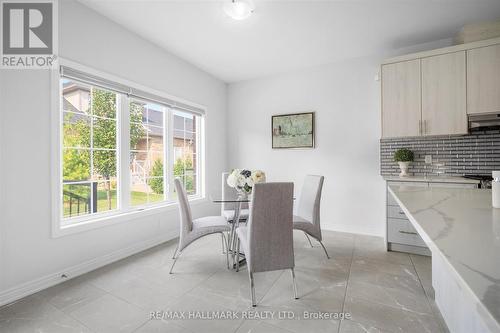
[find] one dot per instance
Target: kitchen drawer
(402, 232)
(395, 212)
(452, 185)
(390, 200)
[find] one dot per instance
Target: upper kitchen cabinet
(401, 98)
(483, 79)
(444, 94)
(432, 92)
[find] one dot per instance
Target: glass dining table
(231, 244)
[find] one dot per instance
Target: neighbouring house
(150, 146)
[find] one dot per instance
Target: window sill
(112, 219)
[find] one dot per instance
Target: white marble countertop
(463, 226)
(432, 179)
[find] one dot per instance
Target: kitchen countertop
(432, 179)
(463, 226)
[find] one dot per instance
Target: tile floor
(383, 292)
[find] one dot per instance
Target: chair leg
(224, 241)
(305, 233)
(175, 260)
(324, 248)
(252, 288)
(232, 235)
(294, 284)
(234, 245)
(175, 252)
(238, 255)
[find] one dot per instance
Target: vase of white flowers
(243, 180)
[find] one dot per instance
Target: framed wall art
(294, 130)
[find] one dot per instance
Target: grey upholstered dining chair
(191, 230)
(227, 209)
(267, 238)
(308, 210)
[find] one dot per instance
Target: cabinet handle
(420, 127)
(401, 212)
(407, 232)
(425, 126)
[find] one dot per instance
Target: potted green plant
(403, 156)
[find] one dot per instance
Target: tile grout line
(418, 276)
(128, 302)
(178, 299)
(238, 326)
(427, 296)
(420, 281)
(69, 315)
(46, 301)
(265, 294)
(188, 291)
(272, 285)
(106, 293)
(347, 281)
(142, 325)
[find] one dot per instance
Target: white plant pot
(403, 166)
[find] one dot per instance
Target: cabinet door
(443, 94)
(483, 80)
(401, 99)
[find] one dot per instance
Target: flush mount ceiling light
(239, 9)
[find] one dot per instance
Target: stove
(485, 180)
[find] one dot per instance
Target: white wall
(346, 99)
(27, 251)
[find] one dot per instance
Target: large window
(147, 153)
(89, 149)
(185, 141)
(104, 129)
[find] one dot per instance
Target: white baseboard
(31, 287)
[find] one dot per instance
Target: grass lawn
(140, 198)
(136, 199)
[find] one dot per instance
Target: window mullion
(124, 152)
(91, 153)
(200, 158)
(165, 153)
(170, 152)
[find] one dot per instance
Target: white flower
(250, 181)
(258, 176)
(231, 180)
(241, 180)
(244, 180)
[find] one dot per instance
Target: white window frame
(123, 212)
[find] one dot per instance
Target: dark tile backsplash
(477, 153)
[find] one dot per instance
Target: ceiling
(287, 35)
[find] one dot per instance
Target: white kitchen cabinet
(401, 99)
(432, 92)
(444, 94)
(401, 236)
(401, 231)
(483, 80)
(395, 212)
